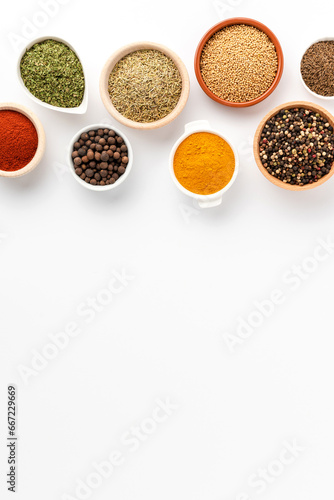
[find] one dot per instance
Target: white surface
(194, 274)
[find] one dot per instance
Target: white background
(195, 273)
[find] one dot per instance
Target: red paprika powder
(18, 140)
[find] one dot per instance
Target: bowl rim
(122, 52)
(263, 170)
(202, 126)
(71, 165)
(84, 104)
(12, 106)
(230, 22)
(314, 94)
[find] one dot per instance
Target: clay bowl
(40, 134)
(220, 26)
(289, 105)
(119, 54)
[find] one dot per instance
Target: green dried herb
(52, 72)
(145, 86)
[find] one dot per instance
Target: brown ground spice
(239, 63)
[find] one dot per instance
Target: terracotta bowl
(220, 26)
(271, 178)
(125, 51)
(40, 134)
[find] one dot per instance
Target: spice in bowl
(100, 157)
(317, 68)
(145, 86)
(297, 146)
(53, 73)
(19, 140)
(239, 63)
(204, 163)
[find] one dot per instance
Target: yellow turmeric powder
(204, 163)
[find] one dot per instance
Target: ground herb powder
(145, 86)
(204, 163)
(52, 72)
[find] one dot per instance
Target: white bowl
(122, 178)
(79, 110)
(203, 200)
(325, 98)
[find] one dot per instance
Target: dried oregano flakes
(145, 85)
(53, 73)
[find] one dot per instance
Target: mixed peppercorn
(297, 146)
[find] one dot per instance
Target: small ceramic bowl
(220, 26)
(113, 60)
(314, 94)
(79, 110)
(40, 134)
(206, 200)
(121, 179)
(271, 178)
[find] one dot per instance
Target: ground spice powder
(204, 163)
(18, 140)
